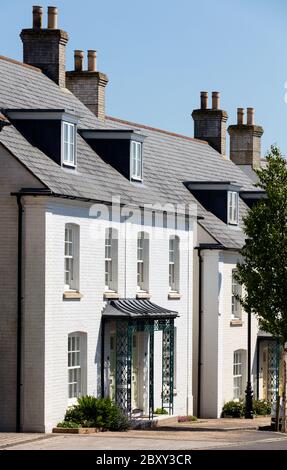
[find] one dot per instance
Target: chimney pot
(52, 17)
(203, 99)
(79, 60)
(215, 100)
(92, 61)
(250, 116)
(240, 116)
(37, 17)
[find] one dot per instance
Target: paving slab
(9, 439)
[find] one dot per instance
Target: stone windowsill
(143, 295)
(72, 295)
(174, 295)
(236, 323)
(111, 295)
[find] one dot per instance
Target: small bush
(186, 419)
(233, 409)
(92, 412)
(68, 424)
(236, 409)
(261, 407)
(160, 411)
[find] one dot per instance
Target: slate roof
(169, 159)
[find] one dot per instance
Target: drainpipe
(199, 332)
(19, 317)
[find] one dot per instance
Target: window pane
(229, 207)
(69, 143)
(136, 159)
(66, 131)
(235, 207)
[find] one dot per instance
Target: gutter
(48, 193)
(19, 316)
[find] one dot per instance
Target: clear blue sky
(159, 55)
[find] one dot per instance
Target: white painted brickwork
(48, 319)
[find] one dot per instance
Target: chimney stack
(245, 140)
(210, 123)
(88, 85)
(45, 48)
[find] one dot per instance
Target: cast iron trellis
(124, 334)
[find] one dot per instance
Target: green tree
(263, 271)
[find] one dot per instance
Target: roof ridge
(143, 126)
(17, 62)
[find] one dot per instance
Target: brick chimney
(245, 140)
(210, 123)
(46, 48)
(88, 85)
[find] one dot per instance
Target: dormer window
(232, 207)
(221, 198)
(120, 148)
(53, 131)
(69, 144)
(136, 160)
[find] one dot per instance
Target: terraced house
(118, 245)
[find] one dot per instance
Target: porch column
(124, 332)
(168, 365)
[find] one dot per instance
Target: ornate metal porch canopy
(130, 316)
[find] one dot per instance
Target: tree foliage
(263, 271)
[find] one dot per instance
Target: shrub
(160, 411)
(261, 407)
(233, 409)
(68, 424)
(186, 419)
(236, 409)
(92, 412)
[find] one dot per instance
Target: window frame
(236, 311)
(68, 161)
(79, 353)
(173, 265)
(237, 374)
(136, 169)
(143, 284)
(112, 260)
(232, 208)
(72, 258)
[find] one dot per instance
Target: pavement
(205, 434)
